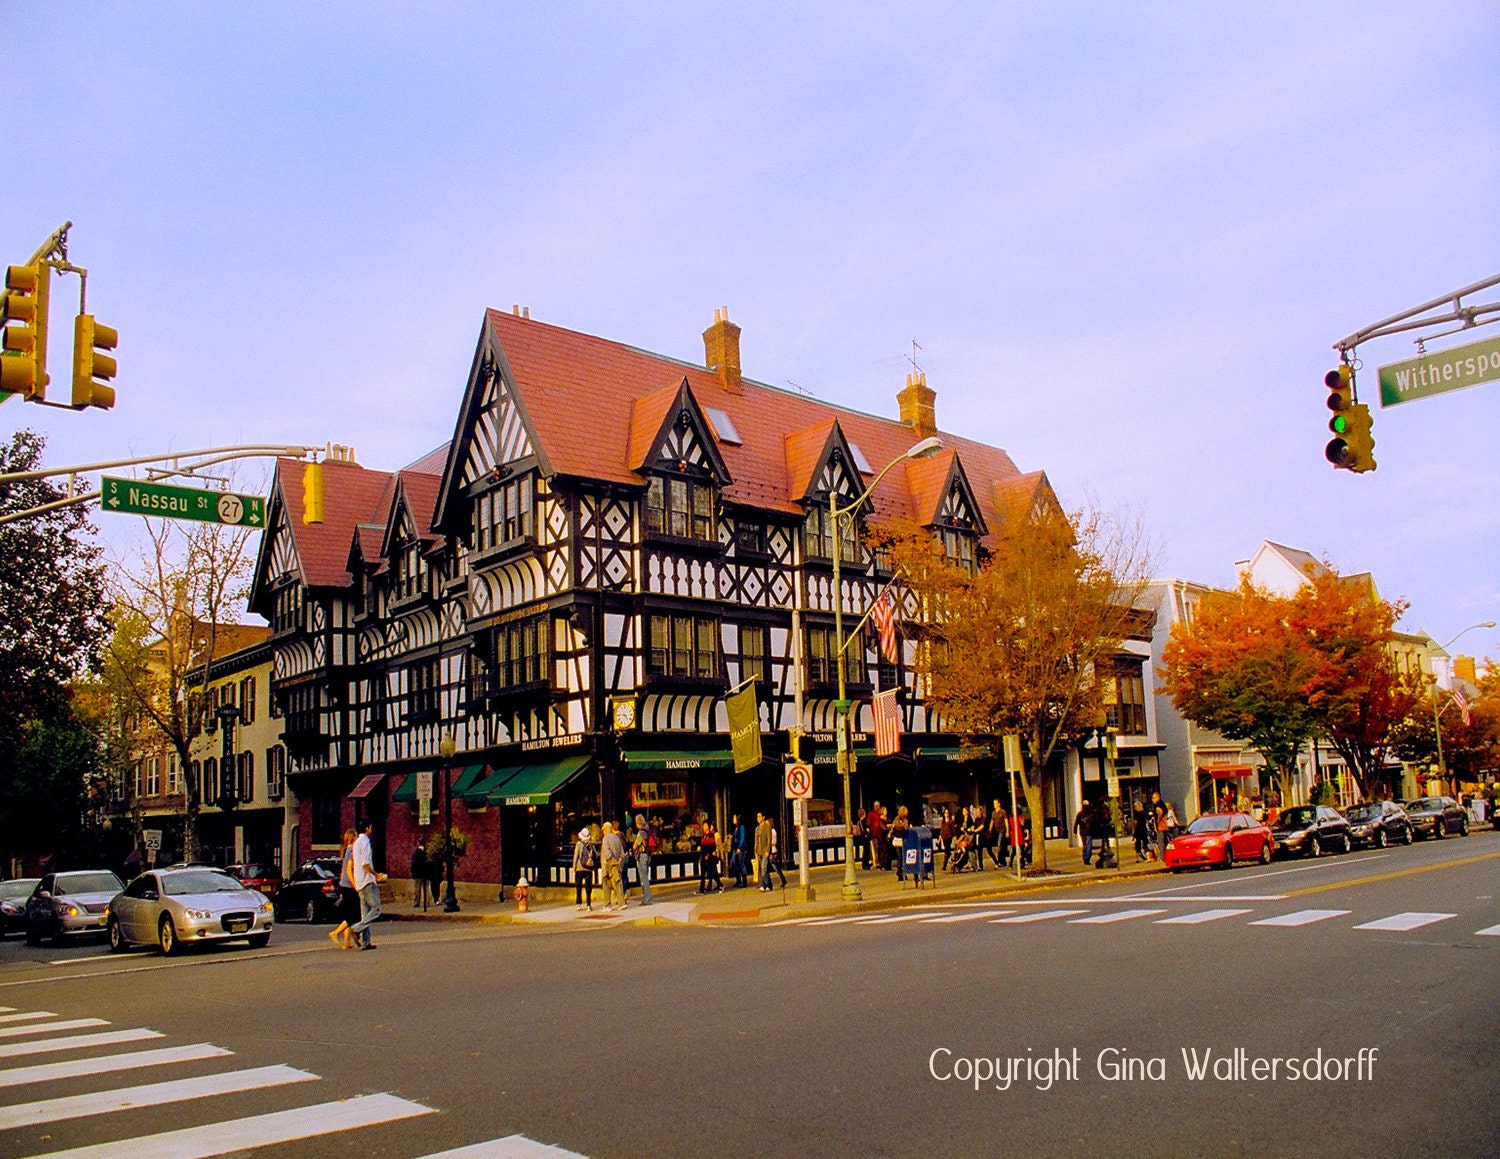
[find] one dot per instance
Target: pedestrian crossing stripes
(1101, 916)
(238, 1135)
(1121, 916)
(1403, 922)
(1303, 917)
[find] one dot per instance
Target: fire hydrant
(523, 895)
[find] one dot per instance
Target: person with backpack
(585, 862)
(641, 849)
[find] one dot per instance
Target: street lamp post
(447, 748)
(928, 446)
(1437, 730)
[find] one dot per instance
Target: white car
(172, 908)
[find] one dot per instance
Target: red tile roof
(581, 393)
(351, 495)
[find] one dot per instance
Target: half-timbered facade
(568, 588)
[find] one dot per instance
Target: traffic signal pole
(187, 464)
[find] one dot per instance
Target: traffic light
(1359, 439)
(90, 363)
(23, 347)
(1340, 383)
(312, 493)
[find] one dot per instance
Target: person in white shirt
(367, 881)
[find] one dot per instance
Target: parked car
(1436, 817)
(312, 893)
(172, 908)
(257, 875)
(1312, 830)
(69, 904)
(13, 895)
(1220, 839)
(1378, 823)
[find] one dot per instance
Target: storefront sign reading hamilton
(656, 794)
(134, 497)
(823, 738)
(552, 742)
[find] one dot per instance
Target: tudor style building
(611, 541)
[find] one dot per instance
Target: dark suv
(1311, 829)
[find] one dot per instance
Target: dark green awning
(677, 760)
(406, 791)
(479, 792)
(535, 784)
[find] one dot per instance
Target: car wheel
(166, 935)
(1228, 856)
(1437, 829)
(1265, 853)
(1176, 869)
(258, 941)
(117, 942)
(1381, 840)
(311, 911)
(1406, 837)
(1348, 845)
(1463, 827)
(1314, 847)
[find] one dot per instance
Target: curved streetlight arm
(1466, 631)
(921, 450)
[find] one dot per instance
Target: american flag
(884, 615)
(887, 723)
(1463, 704)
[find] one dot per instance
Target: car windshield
(1302, 815)
(18, 888)
(1210, 825)
(86, 883)
(1426, 803)
(1363, 812)
(199, 881)
(256, 871)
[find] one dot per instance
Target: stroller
(962, 856)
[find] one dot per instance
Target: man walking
(763, 833)
(640, 847)
(613, 855)
(367, 882)
(1083, 826)
(419, 890)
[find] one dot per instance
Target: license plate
(238, 927)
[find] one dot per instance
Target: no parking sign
(798, 781)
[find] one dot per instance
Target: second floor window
(247, 700)
(422, 691)
(823, 659)
(504, 513)
(244, 787)
(275, 772)
(819, 535)
(521, 653)
(753, 653)
(958, 546)
(153, 776)
(302, 714)
(684, 645)
(680, 507)
(286, 608)
(174, 781)
(1124, 695)
(209, 791)
(410, 580)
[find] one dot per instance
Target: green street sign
(1441, 372)
(135, 497)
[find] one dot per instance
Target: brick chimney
(721, 350)
(916, 401)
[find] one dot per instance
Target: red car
(1220, 839)
(257, 875)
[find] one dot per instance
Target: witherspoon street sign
(134, 497)
(1436, 373)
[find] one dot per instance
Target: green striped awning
(676, 760)
(535, 784)
(479, 792)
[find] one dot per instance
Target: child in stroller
(962, 858)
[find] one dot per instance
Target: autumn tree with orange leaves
(1278, 671)
(1013, 646)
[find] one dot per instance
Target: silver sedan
(172, 908)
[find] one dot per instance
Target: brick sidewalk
(680, 903)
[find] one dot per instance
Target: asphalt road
(843, 1037)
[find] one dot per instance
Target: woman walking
(348, 907)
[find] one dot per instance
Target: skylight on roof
(724, 428)
(860, 461)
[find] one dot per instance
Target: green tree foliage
(45, 794)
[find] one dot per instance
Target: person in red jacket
(875, 831)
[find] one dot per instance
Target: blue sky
(1124, 236)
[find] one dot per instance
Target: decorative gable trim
(401, 526)
(494, 431)
(277, 556)
(834, 471)
(957, 506)
(683, 440)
